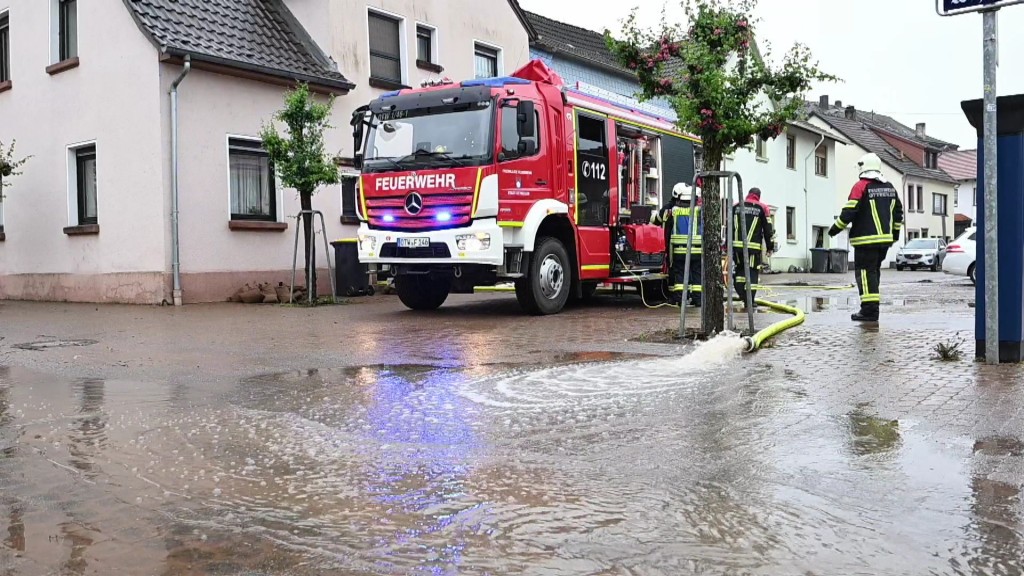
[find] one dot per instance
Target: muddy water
(700, 464)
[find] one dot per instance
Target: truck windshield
(425, 138)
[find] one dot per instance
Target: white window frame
(278, 189)
(435, 50)
(791, 235)
(500, 56)
(403, 41)
(71, 157)
(10, 61)
(55, 31)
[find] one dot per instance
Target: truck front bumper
(479, 243)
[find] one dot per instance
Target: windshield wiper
(444, 155)
(391, 159)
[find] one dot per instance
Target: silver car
(922, 253)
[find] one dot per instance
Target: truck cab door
(524, 168)
(593, 173)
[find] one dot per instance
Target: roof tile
(260, 34)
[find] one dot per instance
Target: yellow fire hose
(754, 342)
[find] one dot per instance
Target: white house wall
(783, 187)
(114, 99)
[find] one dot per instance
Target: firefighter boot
(868, 313)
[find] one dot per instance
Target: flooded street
(822, 455)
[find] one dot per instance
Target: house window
(931, 160)
(759, 148)
(425, 44)
(5, 48)
(791, 152)
(956, 200)
(821, 161)
(85, 184)
(975, 196)
(385, 48)
(253, 191)
(485, 61)
(920, 198)
(910, 198)
(939, 204)
(790, 223)
(349, 197)
(510, 133)
(67, 28)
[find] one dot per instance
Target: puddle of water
(701, 463)
(54, 343)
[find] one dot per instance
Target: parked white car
(921, 253)
(960, 255)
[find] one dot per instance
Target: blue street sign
(951, 7)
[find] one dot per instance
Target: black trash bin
(839, 261)
(350, 277)
(819, 260)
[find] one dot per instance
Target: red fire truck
(518, 179)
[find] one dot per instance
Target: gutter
(807, 207)
(175, 238)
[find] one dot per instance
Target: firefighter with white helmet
(679, 218)
(874, 215)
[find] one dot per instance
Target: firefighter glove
(834, 230)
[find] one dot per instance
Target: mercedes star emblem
(413, 203)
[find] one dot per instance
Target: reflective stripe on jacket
(873, 213)
(759, 229)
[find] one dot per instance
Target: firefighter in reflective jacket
(874, 215)
(759, 240)
(678, 222)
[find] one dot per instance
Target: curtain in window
(88, 180)
(486, 62)
(250, 189)
(385, 48)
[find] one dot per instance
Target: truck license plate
(419, 242)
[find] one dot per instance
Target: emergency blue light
(389, 218)
(444, 216)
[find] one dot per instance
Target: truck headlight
(367, 243)
(473, 242)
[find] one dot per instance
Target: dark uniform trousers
(867, 263)
(739, 280)
(679, 275)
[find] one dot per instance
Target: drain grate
(48, 344)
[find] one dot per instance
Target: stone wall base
(152, 288)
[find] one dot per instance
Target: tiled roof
(862, 134)
(256, 35)
(575, 41)
(962, 164)
(891, 125)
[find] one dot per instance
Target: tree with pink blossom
(715, 78)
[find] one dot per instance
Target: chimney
(920, 130)
(851, 113)
(839, 103)
(823, 102)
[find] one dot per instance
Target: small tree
(713, 76)
(9, 166)
(300, 159)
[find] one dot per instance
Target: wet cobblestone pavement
(366, 439)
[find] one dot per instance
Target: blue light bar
(390, 94)
(494, 82)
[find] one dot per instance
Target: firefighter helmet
(682, 192)
(869, 163)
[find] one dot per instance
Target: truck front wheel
(545, 289)
(422, 291)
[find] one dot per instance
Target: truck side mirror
(525, 113)
(358, 123)
(527, 147)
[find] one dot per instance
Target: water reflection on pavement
(701, 464)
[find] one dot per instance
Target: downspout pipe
(807, 203)
(175, 244)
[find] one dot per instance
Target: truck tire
(422, 292)
(545, 290)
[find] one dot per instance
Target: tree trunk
(712, 311)
(306, 200)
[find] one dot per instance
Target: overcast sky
(896, 57)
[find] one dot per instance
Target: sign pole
(991, 216)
